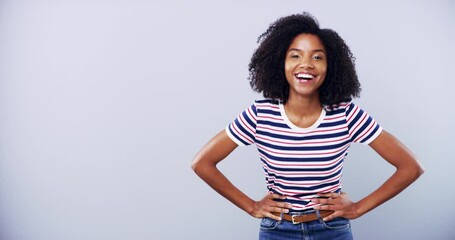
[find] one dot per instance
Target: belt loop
(282, 217)
(318, 214)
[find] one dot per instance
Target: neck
(303, 106)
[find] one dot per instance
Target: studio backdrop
(103, 105)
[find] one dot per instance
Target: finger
(282, 205)
(324, 207)
(322, 200)
(277, 196)
(330, 195)
(272, 216)
(279, 210)
(331, 216)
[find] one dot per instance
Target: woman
(303, 129)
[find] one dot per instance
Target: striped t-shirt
(301, 162)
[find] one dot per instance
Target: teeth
(304, 75)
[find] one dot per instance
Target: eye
(318, 57)
(294, 56)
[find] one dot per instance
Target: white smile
(304, 76)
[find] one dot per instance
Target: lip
(314, 75)
(305, 72)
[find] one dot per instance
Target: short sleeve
(243, 129)
(362, 127)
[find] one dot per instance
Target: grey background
(103, 105)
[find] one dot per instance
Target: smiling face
(305, 66)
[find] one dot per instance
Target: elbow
(202, 167)
(194, 166)
(198, 166)
(420, 170)
(411, 172)
(417, 171)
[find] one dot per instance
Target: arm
(407, 171)
(204, 165)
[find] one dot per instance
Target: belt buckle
(293, 220)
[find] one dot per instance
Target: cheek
(288, 69)
(287, 65)
(290, 64)
(323, 69)
(324, 72)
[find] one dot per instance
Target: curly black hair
(267, 63)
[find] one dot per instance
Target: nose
(306, 65)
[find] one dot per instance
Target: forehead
(306, 42)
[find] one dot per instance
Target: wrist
(357, 210)
(250, 208)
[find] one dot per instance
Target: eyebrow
(300, 50)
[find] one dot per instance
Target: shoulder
(339, 107)
(267, 103)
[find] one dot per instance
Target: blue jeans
(338, 228)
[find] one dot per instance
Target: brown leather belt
(301, 218)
